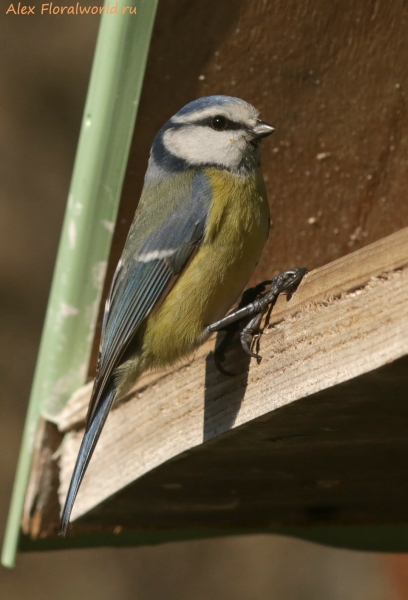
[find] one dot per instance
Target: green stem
(107, 127)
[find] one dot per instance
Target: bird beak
(262, 129)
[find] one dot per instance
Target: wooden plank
(346, 274)
(348, 319)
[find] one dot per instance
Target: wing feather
(143, 276)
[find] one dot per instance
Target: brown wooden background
(330, 76)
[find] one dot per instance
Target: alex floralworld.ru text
(73, 9)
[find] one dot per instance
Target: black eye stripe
(230, 125)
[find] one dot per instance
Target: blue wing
(166, 231)
(147, 271)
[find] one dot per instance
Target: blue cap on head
(206, 102)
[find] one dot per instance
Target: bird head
(220, 131)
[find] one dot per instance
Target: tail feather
(87, 448)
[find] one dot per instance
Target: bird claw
(248, 333)
(246, 342)
(293, 278)
(285, 283)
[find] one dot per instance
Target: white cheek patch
(200, 144)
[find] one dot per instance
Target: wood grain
(348, 318)
(344, 275)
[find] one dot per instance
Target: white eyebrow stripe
(233, 112)
(155, 255)
(201, 114)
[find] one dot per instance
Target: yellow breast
(236, 232)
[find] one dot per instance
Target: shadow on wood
(314, 435)
(228, 349)
(336, 457)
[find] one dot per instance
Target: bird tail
(85, 453)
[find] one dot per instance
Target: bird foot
(284, 283)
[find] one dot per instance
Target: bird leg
(285, 282)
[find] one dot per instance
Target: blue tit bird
(198, 232)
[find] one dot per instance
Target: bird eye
(219, 123)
